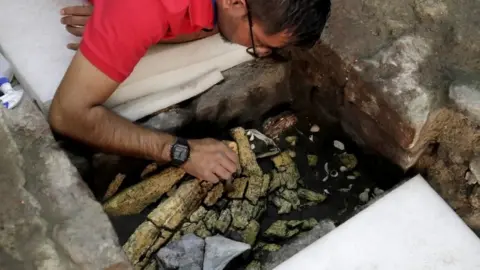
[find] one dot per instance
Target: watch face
(180, 152)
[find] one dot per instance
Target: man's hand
(211, 160)
(75, 18)
(77, 112)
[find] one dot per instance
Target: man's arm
(77, 112)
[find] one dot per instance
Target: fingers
(222, 173)
(229, 153)
(76, 31)
(211, 177)
(73, 46)
(75, 20)
(85, 10)
(227, 164)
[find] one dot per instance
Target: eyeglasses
(252, 50)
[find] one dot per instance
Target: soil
(457, 140)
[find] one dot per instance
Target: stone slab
(411, 227)
(49, 213)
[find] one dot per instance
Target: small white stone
(364, 195)
(311, 138)
(249, 133)
(326, 191)
(471, 179)
(475, 170)
(252, 138)
(315, 129)
(339, 145)
(378, 191)
(343, 169)
(346, 189)
(252, 146)
(351, 177)
(325, 179)
(333, 173)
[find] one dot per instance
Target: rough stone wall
(383, 68)
(50, 220)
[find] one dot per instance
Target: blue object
(3, 80)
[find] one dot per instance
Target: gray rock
(300, 242)
(309, 224)
(278, 230)
(202, 230)
(224, 221)
(219, 251)
(260, 208)
(254, 189)
(475, 168)
(170, 120)
(198, 214)
(186, 253)
(465, 93)
(189, 227)
(276, 181)
(210, 219)
(254, 265)
(292, 197)
(471, 179)
(242, 212)
(311, 195)
(265, 185)
(284, 207)
(250, 233)
(364, 196)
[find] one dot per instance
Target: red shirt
(119, 32)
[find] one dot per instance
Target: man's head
(272, 23)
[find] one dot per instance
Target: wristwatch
(179, 152)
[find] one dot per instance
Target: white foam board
(34, 41)
(411, 228)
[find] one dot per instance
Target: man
(117, 33)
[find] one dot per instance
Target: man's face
(234, 26)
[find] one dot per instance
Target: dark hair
(304, 19)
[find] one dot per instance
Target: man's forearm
(103, 129)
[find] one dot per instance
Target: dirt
(456, 141)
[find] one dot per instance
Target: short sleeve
(119, 33)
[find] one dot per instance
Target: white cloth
(34, 41)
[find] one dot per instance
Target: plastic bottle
(11, 97)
